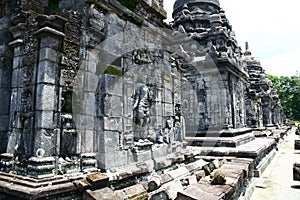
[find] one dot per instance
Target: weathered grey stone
(98, 180)
(87, 140)
(197, 165)
(297, 145)
(177, 173)
(44, 99)
(296, 172)
(50, 42)
(5, 78)
(44, 119)
(103, 194)
(47, 72)
(135, 192)
(48, 54)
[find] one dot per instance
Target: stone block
(297, 145)
(3, 140)
(192, 193)
(19, 51)
(17, 63)
(45, 97)
(136, 192)
(103, 194)
(168, 96)
(168, 109)
(41, 167)
(108, 141)
(5, 78)
(16, 78)
(178, 173)
(82, 185)
(90, 108)
(44, 143)
(111, 84)
(92, 67)
(87, 141)
(47, 72)
(44, 119)
(159, 150)
(162, 162)
(107, 160)
(98, 180)
(5, 95)
(114, 19)
(141, 156)
(112, 124)
(296, 172)
(49, 54)
(199, 174)
(50, 42)
(197, 165)
(171, 189)
(112, 106)
(91, 82)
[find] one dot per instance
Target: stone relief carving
(70, 57)
(68, 136)
(141, 110)
(97, 18)
(145, 56)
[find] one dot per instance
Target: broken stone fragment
(154, 182)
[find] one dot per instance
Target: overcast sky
(271, 27)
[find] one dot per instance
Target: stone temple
(102, 97)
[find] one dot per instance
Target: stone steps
(220, 141)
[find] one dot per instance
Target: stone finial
(247, 52)
(247, 46)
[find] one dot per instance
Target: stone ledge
(29, 188)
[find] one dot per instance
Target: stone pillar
(6, 55)
(16, 81)
(47, 87)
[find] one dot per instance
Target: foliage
(53, 4)
(130, 4)
(288, 89)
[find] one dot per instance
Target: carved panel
(71, 47)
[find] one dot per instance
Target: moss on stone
(113, 71)
(218, 178)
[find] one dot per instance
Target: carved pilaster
(47, 86)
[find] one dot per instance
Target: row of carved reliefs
(263, 106)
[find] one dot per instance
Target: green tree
(288, 89)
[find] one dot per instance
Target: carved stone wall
(93, 82)
(131, 93)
